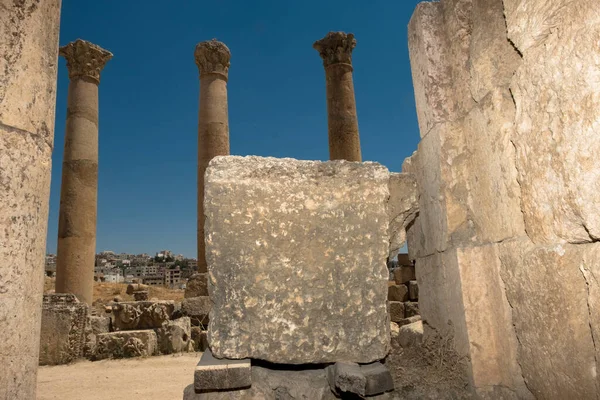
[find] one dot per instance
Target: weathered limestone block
(29, 47)
(221, 374)
(557, 94)
(411, 334)
(198, 309)
(379, 379)
(197, 285)
(126, 344)
(403, 274)
(174, 336)
(396, 311)
(492, 58)
(409, 320)
(397, 293)
(135, 315)
(306, 280)
(411, 308)
(467, 180)
(462, 295)
(553, 293)
(63, 329)
(346, 378)
(403, 207)
(274, 384)
(95, 325)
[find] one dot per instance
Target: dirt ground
(153, 378)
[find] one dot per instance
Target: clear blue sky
(149, 99)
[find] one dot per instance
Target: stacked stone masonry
(507, 101)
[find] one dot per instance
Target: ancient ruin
(212, 59)
(79, 188)
(294, 296)
(336, 51)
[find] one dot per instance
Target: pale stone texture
(306, 281)
(411, 334)
(398, 293)
(79, 186)
(552, 290)
(29, 48)
(197, 285)
(126, 344)
(174, 336)
(213, 60)
(62, 337)
(336, 51)
(135, 315)
(221, 374)
(557, 94)
(198, 309)
(403, 207)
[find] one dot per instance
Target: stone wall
(508, 104)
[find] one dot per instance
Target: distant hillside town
(162, 269)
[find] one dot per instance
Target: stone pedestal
(79, 188)
(336, 51)
(212, 58)
(29, 48)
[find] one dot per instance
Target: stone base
(291, 382)
(198, 309)
(221, 374)
(63, 333)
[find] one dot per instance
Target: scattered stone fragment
(197, 285)
(411, 334)
(404, 273)
(174, 336)
(221, 374)
(346, 378)
(411, 308)
(394, 329)
(413, 290)
(396, 311)
(140, 296)
(274, 384)
(135, 315)
(136, 287)
(409, 320)
(378, 378)
(63, 333)
(264, 205)
(397, 293)
(99, 324)
(140, 343)
(200, 338)
(198, 309)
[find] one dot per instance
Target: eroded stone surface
(140, 343)
(197, 285)
(198, 309)
(221, 374)
(174, 336)
(346, 378)
(306, 281)
(403, 207)
(397, 293)
(62, 337)
(134, 315)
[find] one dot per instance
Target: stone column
(79, 188)
(336, 50)
(212, 58)
(29, 48)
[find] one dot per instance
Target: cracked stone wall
(508, 102)
(29, 49)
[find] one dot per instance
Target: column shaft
(79, 192)
(344, 142)
(29, 48)
(212, 58)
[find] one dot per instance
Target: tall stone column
(212, 58)
(336, 50)
(29, 48)
(79, 188)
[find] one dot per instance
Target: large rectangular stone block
(296, 252)
(62, 336)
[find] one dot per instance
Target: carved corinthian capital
(336, 48)
(85, 59)
(212, 57)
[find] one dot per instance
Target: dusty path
(153, 378)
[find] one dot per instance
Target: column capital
(336, 48)
(85, 59)
(212, 57)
